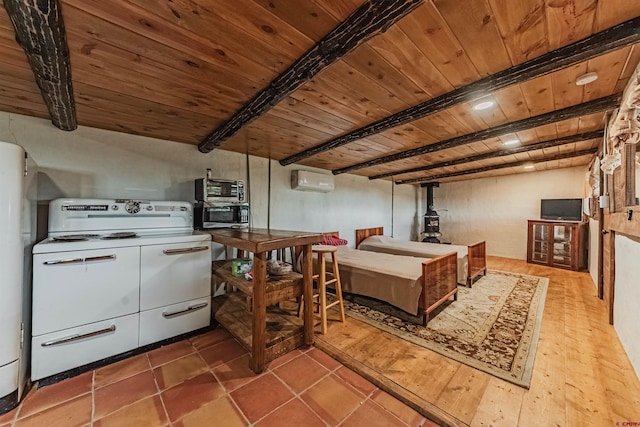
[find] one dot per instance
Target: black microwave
(220, 215)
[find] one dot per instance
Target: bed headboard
(363, 233)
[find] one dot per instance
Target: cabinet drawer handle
(79, 260)
(169, 315)
(73, 338)
(185, 250)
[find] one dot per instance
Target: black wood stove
(431, 229)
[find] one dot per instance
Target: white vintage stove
(114, 275)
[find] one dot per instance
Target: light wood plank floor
(582, 375)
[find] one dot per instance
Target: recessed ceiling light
(529, 166)
(586, 79)
(484, 105)
(512, 141)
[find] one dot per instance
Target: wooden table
(260, 242)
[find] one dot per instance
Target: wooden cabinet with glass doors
(557, 244)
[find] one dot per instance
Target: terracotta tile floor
(206, 381)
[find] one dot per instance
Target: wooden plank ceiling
(179, 69)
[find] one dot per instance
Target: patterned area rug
(493, 326)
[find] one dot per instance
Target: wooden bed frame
(476, 253)
(439, 281)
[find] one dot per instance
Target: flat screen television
(561, 209)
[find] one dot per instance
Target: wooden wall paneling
(313, 94)
(182, 120)
(567, 127)
(492, 116)
(220, 46)
(613, 12)
(617, 180)
(512, 103)
(150, 77)
(264, 26)
(402, 53)
(355, 87)
(21, 102)
(538, 94)
(463, 113)
(522, 25)
(433, 37)
(374, 66)
(608, 266)
(547, 131)
(506, 155)
(634, 59)
(203, 66)
(339, 9)
(609, 67)
(478, 33)
(574, 111)
(589, 122)
(563, 84)
(302, 114)
(621, 35)
(628, 167)
(307, 17)
(254, 33)
(151, 90)
(569, 21)
(439, 126)
(370, 19)
(94, 54)
(435, 177)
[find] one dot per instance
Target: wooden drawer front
(82, 287)
(63, 350)
(173, 273)
(166, 322)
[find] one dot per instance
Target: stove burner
(74, 237)
(121, 235)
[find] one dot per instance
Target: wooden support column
(259, 325)
(307, 273)
(40, 32)
(372, 18)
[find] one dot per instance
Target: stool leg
(336, 275)
(322, 288)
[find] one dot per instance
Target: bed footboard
(439, 283)
(476, 261)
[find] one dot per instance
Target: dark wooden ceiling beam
(600, 104)
(370, 19)
(613, 38)
(598, 134)
(495, 167)
(40, 32)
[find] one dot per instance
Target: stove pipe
(431, 231)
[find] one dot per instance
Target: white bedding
(389, 245)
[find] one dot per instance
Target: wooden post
(307, 272)
(259, 327)
(40, 32)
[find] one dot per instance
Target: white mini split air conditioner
(311, 181)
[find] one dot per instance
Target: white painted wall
(497, 209)
(594, 232)
(627, 297)
(92, 162)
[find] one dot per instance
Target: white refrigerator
(18, 206)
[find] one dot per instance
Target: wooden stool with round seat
(321, 282)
